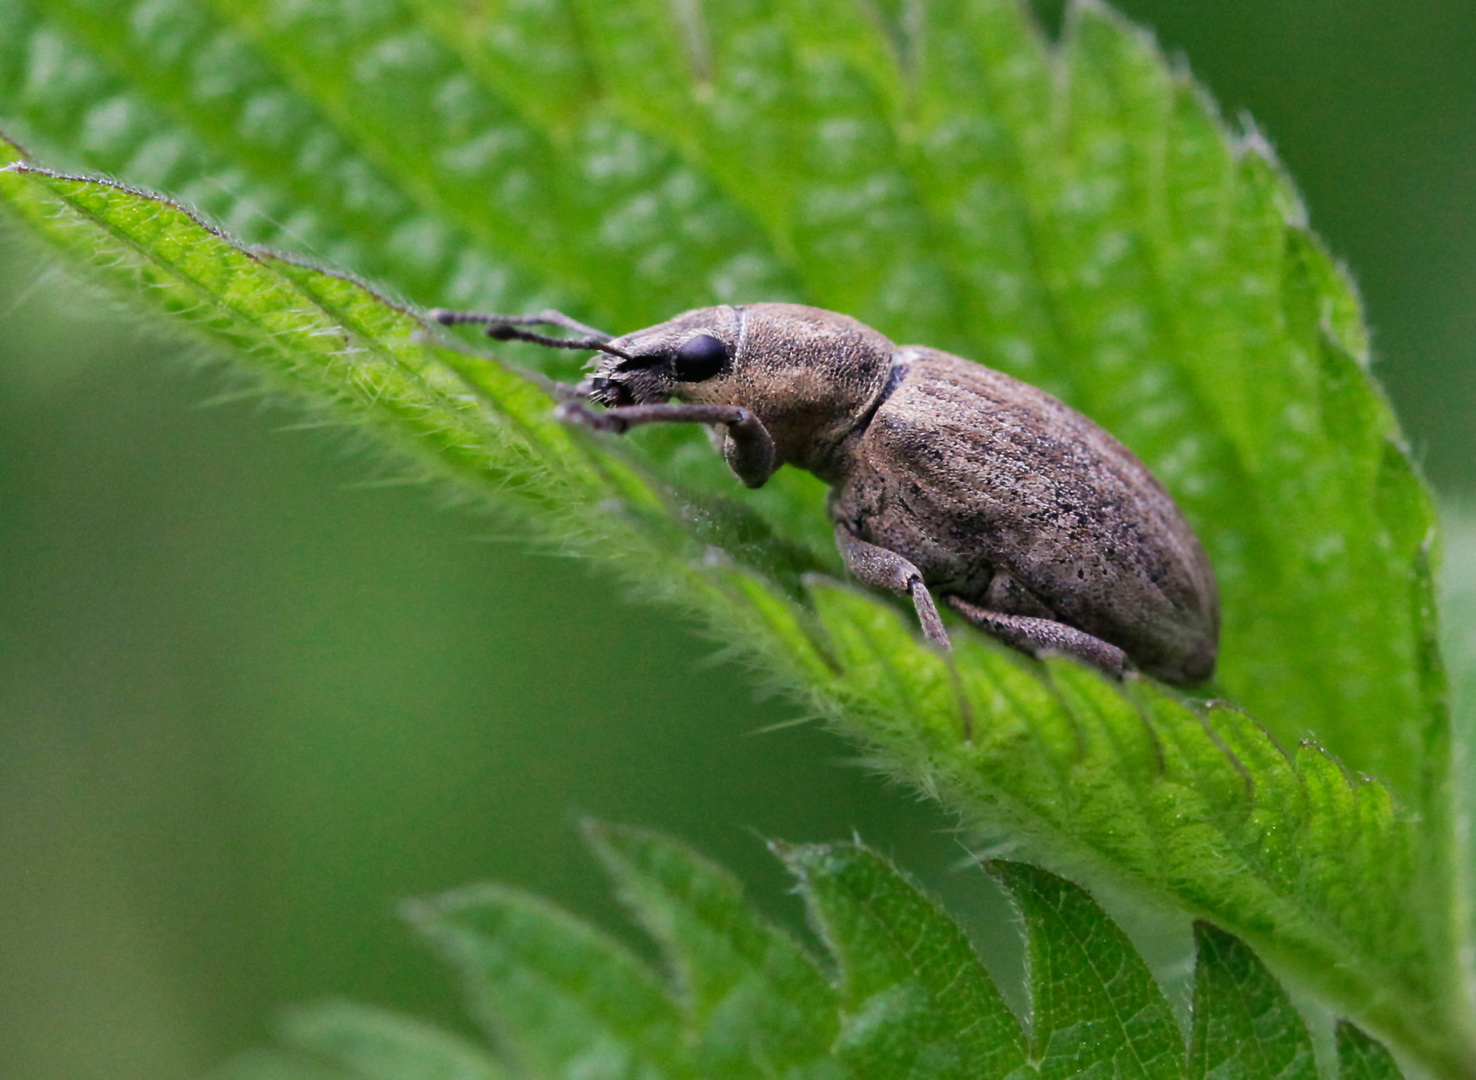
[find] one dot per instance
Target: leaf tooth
(912, 989)
(1243, 1022)
(563, 997)
(1094, 1003)
(750, 990)
(1361, 1057)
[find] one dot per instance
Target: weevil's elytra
(946, 477)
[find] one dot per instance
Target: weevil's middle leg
(883, 569)
(1034, 636)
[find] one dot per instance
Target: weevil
(946, 477)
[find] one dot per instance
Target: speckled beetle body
(946, 477)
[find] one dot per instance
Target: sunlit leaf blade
(1094, 1005)
(171, 97)
(749, 992)
(1244, 1024)
(1077, 216)
(1030, 182)
(915, 1000)
(1134, 258)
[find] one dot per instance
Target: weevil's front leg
(1035, 636)
(883, 569)
(749, 450)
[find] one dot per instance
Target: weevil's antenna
(512, 333)
(507, 328)
(547, 317)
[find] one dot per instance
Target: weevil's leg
(1035, 636)
(571, 392)
(548, 317)
(750, 451)
(883, 569)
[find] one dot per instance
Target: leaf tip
(426, 915)
(1013, 875)
(806, 860)
(1362, 1056)
(594, 830)
(1208, 935)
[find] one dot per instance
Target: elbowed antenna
(506, 328)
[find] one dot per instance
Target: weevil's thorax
(810, 376)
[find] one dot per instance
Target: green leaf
(1363, 1058)
(1080, 218)
(563, 999)
(1192, 801)
(914, 998)
(1244, 1024)
(1076, 215)
(1116, 795)
(749, 992)
(912, 1001)
(354, 1042)
(1094, 1005)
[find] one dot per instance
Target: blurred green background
(251, 695)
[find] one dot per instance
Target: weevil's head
(808, 374)
(668, 360)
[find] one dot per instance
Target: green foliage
(1075, 214)
(743, 999)
(914, 996)
(338, 1041)
(1094, 1003)
(1243, 1024)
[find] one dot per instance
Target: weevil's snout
(640, 380)
(610, 392)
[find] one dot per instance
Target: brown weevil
(945, 476)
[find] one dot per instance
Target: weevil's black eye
(700, 358)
